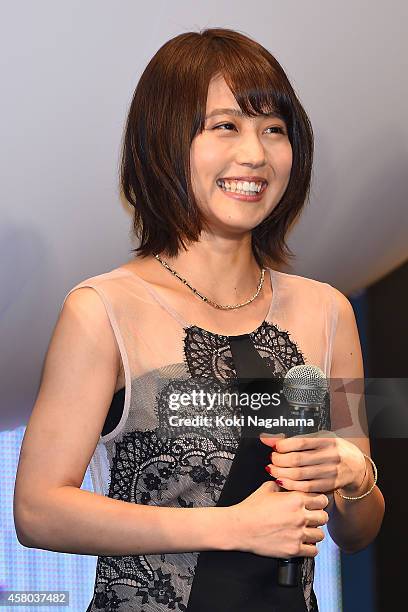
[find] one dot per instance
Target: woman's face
(234, 147)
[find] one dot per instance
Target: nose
(251, 151)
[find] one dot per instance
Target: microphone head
(305, 385)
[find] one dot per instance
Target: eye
(279, 129)
(223, 125)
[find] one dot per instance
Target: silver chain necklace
(205, 299)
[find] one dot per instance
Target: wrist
(369, 487)
(222, 531)
(360, 481)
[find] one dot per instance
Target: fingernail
(279, 482)
(268, 469)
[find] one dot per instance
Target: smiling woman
(237, 99)
(250, 142)
(217, 159)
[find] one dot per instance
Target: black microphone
(305, 389)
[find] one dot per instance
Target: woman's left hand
(319, 462)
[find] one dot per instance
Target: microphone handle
(289, 569)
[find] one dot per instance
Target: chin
(231, 227)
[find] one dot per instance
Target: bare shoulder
(151, 271)
(320, 289)
(342, 302)
(86, 302)
(83, 339)
(146, 268)
(76, 389)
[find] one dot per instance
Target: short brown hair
(168, 111)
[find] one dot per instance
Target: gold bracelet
(370, 489)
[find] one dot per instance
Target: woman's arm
(50, 509)
(76, 521)
(325, 460)
(353, 524)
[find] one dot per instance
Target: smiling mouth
(241, 187)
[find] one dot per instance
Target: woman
(217, 160)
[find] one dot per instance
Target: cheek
(209, 159)
(286, 159)
(203, 167)
(203, 154)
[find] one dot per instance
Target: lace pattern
(188, 470)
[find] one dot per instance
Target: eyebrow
(238, 113)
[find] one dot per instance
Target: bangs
(168, 110)
(259, 94)
(256, 80)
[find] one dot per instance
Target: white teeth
(246, 187)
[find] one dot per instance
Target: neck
(223, 274)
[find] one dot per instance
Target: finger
(316, 518)
(308, 550)
(315, 502)
(311, 472)
(313, 535)
(313, 440)
(303, 458)
(270, 440)
(306, 486)
(271, 486)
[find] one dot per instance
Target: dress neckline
(186, 324)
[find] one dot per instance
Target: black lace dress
(229, 581)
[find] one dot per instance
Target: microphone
(304, 388)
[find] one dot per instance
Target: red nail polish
(267, 468)
(279, 482)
